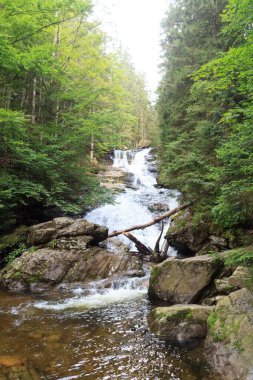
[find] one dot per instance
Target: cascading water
(132, 206)
(97, 333)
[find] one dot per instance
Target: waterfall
(133, 205)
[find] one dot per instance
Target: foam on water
(122, 290)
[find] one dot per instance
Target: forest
(205, 110)
(66, 99)
(126, 219)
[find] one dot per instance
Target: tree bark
(145, 251)
(154, 221)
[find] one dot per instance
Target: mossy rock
(230, 335)
(180, 322)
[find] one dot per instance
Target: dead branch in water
(145, 251)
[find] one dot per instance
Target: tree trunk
(34, 100)
(154, 221)
(145, 251)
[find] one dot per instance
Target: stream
(97, 333)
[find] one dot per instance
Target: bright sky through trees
(136, 23)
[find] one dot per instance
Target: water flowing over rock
(133, 205)
(182, 281)
(180, 323)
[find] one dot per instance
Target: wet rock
(10, 360)
(228, 345)
(158, 207)
(113, 186)
(182, 281)
(47, 267)
(241, 278)
(55, 338)
(180, 323)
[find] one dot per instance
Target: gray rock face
(181, 281)
(66, 253)
(180, 322)
(43, 233)
(229, 343)
(241, 278)
(223, 286)
(188, 240)
(52, 266)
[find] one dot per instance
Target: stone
(182, 237)
(10, 360)
(41, 233)
(75, 242)
(242, 277)
(50, 232)
(180, 323)
(182, 281)
(223, 285)
(45, 268)
(229, 342)
(189, 240)
(210, 301)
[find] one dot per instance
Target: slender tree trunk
(34, 100)
(92, 149)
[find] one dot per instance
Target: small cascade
(120, 159)
(96, 296)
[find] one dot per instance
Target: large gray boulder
(182, 281)
(229, 342)
(41, 234)
(47, 267)
(63, 251)
(180, 322)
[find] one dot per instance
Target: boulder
(189, 240)
(180, 323)
(41, 234)
(223, 285)
(182, 237)
(182, 281)
(228, 345)
(47, 267)
(241, 278)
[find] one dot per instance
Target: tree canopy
(64, 99)
(205, 108)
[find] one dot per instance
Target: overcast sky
(136, 23)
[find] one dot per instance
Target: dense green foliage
(64, 101)
(205, 108)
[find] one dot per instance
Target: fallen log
(154, 221)
(145, 251)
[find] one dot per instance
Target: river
(98, 333)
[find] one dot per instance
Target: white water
(122, 290)
(130, 208)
